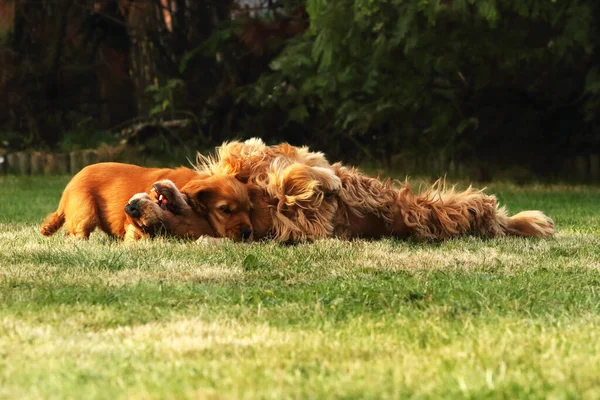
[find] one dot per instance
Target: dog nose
(246, 232)
(133, 210)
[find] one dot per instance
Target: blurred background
(484, 89)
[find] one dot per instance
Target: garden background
(482, 89)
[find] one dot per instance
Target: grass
(468, 318)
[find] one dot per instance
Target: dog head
(166, 212)
(224, 200)
(145, 214)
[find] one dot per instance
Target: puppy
(166, 214)
(225, 201)
(169, 213)
(96, 195)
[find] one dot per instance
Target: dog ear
(198, 196)
(258, 196)
(201, 199)
(242, 177)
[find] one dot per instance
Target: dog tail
(530, 223)
(52, 223)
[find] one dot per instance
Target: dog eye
(225, 209)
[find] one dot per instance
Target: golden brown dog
(95, 197)
(225, 201)
(308, 198)
(168, 213)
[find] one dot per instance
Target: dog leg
(132, 233)
(83, 228)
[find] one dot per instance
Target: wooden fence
(579, 169)
(38, 163)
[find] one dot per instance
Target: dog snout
(132, 209)
(246, 233)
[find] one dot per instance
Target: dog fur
(225, 201)
(168, 214)
(309, 198)
(95, 197)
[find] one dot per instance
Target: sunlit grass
(509, 318)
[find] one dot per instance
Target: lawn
(502, 318)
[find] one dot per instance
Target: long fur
(309, 198)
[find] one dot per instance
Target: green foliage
(163, 97)
(423, 73)
(86, 139)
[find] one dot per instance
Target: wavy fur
(309, 198)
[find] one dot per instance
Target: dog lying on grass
(306, 197)
(249, 191)
(96, 196)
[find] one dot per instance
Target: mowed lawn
(502, 318)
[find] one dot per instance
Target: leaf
(152, 88)
(174, 83)
(592, 81)
(156, 110)
(466, 123)
(298, 113)
(187, 57)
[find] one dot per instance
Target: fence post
(75, 161)
(23, 163)
(3, 163)
(37, 163)
(89, 157)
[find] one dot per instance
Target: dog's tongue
(162, 201)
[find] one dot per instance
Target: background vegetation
(489, 83)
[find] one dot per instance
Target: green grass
(503, 318)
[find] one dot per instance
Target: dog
(95, 197)
(168, 214)
(225, 201)
(308, 198)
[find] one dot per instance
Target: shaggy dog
(303, 196)
(95, 197)
(168, 213)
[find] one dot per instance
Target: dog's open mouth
(161, 200)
